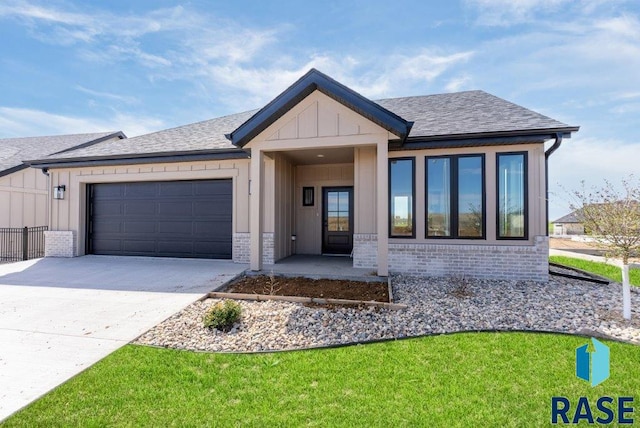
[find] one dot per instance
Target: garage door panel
(109, 191)
(109, 246)
(176, 188)
(183, 228)
(171, 219)
(213, 228)
(213, 209)
(140, 189)
(140, 208)
(108, 226)
(176, 247)
(105, 208)
(131, 227)
(212, 188)
(175, 208)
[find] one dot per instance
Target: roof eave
(129, 159)
(482, 139)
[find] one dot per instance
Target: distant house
(570, 224)
(24, 191)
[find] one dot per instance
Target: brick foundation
(477, 261)
(241, 249)
(59, 243)
(365, 250)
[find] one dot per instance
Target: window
(401, 194)
(455, 197)
(307, 196)
(512, 195)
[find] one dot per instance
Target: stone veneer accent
(365, 250)
(241, 249)
(478, 261)
(59, 243)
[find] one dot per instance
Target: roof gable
(310, 82)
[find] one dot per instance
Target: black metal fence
(21, 243)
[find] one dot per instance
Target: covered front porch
(320, 201)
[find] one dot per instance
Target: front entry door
(337, 220)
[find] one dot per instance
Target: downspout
(45, 171)
(547, 155)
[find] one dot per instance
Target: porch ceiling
(319, 156)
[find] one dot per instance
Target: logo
(592, 365)
(592, 362)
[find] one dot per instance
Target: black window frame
(525, 155)
(313, 196)
(454, 196)
(413, 199)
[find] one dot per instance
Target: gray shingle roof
(460, 113)
(205, 135)
(573, 217)
(469, 112)
(13, 151)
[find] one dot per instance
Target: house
(430, 185)
(570, 224)
(24, 192)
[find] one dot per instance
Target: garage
(161, 219)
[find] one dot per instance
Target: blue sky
(77, 66)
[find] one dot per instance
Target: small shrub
(272, 286)
(223, 315)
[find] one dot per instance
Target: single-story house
(432, 185)
(24, 192)
(570, 224)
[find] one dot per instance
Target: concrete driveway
(60, 316)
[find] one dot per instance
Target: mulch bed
(305, 287)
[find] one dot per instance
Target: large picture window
(455, 197)
(401, 193)
(512, 195)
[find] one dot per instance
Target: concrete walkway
(60, 316)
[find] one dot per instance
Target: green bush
(223, 315)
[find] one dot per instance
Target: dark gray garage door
(161, 219)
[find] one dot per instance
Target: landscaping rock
(435, 306)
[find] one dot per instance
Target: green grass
(599, 268)
(470, 379)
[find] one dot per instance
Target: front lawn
(599, 268)
(470, 379)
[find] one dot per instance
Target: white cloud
(107, 95)
(509, 12)
(21, 122)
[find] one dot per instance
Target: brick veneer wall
(477, 261)
(365, 250)
(241, 249)
(59, 243)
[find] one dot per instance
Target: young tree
(613, 218)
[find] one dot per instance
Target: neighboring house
(570, 224)
(432, 185)
(24, 192)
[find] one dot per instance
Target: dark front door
(337, 220)
(161, 219)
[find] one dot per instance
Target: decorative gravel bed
(435, 306)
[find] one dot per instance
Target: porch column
(256, 208)
(382, 193)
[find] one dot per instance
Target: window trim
(454, 196)
(525, 155)
(413, 199)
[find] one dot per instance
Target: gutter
(131, 159)
(547, 154)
